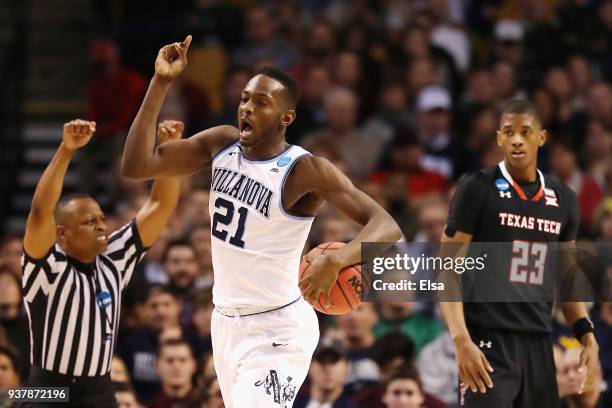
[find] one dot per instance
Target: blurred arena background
(403, 95)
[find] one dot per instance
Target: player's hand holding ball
(474, 368)
(77, 133)
(327, 286)
(172, 60)
(170, 130)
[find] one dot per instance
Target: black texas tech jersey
(492, 207)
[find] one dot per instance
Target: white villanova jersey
(256, 245)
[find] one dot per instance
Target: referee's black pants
(84, 392)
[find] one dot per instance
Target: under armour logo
(486, 344)
(551, 201)
(274, 170)
(505, 194)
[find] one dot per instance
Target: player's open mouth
(102, 238)
(518, 154)
(245, 129)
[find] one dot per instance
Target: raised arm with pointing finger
(141, 158)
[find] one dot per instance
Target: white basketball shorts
(262, 360)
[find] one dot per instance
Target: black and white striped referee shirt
(73, 308)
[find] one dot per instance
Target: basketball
(345, 295)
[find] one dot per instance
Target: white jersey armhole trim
(282, 191)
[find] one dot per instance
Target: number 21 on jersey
(226, 219)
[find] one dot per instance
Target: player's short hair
(404, 372)
(178, 242)
(521, 107)
(174, 342)
(290, 85)
(65, 200)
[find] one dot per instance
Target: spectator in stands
(348, 73)
(200, 241)
(570, 377)
(602, 320)
(357, 327)
(442, 152)
(200, 321)
(236, 79)
(11, 251)
(393, 109)
(603, 221)
(264, 45)
(481, 122)
(139, 349)
(197, 209)
(180, 262)
(9, 376)
(337, 229)
(598, 152)
(176, 367)
(311, 117)
(13, 322)
(432, 220)
(114, 94)
(119, 372)
(564, 165)
(359, 150)
(390, 351)
(125, 395)
(438, 369)
(403, 389)
(213, 390)
(508, 45)
(327, 373)
(318, 50)
(114, 91)
(417, 326)
(558, 83)
(506, 85)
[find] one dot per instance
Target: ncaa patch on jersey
(103, 299)
(502, 184)
(283, 161)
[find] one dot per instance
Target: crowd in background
(404, 96)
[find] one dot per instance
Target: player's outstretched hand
(172, 59)
(589, 361)
(473, 366)
(322, 274)
(170, 130)
(77, 133)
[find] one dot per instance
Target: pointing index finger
(185, 44)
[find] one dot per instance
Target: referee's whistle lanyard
(103, 301)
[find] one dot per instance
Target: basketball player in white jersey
(264, 195)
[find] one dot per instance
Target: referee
(74, 274)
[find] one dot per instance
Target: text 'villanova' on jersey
(256, 244)
(493, 207)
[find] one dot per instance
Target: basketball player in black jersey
(503, 350)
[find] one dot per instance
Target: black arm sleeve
(571, 209)
(467, 204)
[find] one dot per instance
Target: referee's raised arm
(40, 228)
